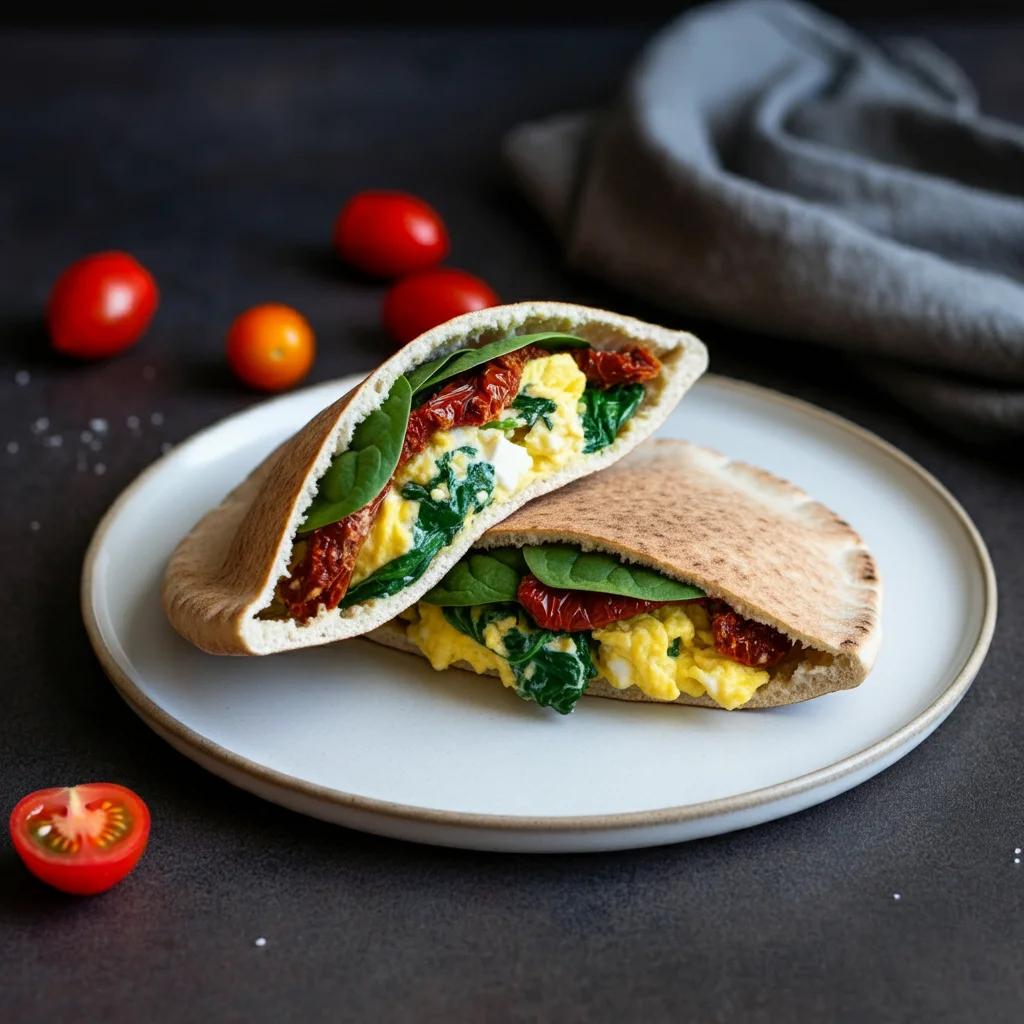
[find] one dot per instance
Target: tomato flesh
(389, 234)
(100, 305)
(81, 839)
(573, 611)
(431, 297)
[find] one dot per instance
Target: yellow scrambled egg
(634, 652)
(519, 457)
(444, 645)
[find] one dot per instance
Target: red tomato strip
(323, 576)
(633, 365)
(572, 611)
(748, 642)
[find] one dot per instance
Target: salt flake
(98, 426)
(261, 942)
(895, 895)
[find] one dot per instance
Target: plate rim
(927, 720)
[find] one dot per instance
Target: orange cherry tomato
(100, 305)
(82, 839)
(389, 234)
(424, 300)
(271, 347)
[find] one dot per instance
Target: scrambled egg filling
(633, 652)
(519, 457)
(444, 645)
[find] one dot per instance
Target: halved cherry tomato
(100, 305)
(83, 839)
(389, 234)
(424, 300)
(271, 347)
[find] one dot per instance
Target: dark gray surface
(221, 162)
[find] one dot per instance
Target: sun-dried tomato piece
(633, 365)
(469, 401)
(323, 575)
(748, 642)
(571, 611)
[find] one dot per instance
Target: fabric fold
(769, 167)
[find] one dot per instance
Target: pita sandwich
(676, 575)
(368, 506)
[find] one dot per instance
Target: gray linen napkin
(769, 167)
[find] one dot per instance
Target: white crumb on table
(12, 447)
(156, 419)
(260, 942)
(99, 469)
(895, 895)
(96, 445)
(22, 377)
(53, 441)
(41, 424)
(34, 525)
(98, 426)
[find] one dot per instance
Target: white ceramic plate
(374, 739)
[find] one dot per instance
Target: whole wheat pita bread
(223, 573)
(740, 534)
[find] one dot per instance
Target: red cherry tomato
(424, 300)
(271, 347)
(83, 839)
(100, 305)
(389, 234)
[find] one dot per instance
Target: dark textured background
(220, 161)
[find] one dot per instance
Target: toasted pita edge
(224, 571)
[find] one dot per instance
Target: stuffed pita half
(676, 575)
(369, 505)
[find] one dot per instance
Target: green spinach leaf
(356, 476)
(606, 412)
(673, 648)
(418, 377)
(477, 579)
(569, 568)
(552, 678)
(470, 358)
(512, 557)
(437, 525)
(530, 410)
